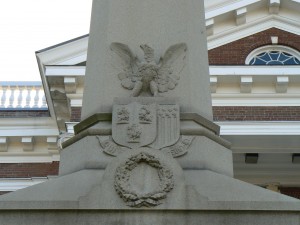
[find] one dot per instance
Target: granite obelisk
(159, 24)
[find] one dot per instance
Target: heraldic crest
(139, 124)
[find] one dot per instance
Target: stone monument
(147, 151)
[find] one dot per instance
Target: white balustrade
(22, 95)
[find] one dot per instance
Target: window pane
(274, 55)
(290, 61)
(274, 58)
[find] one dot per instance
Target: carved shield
(168, 126)
(134, 125)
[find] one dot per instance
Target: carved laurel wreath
(134, 199)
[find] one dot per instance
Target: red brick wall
(255, 113)
(235, 53)
(28, 170)
(23, 113)
(75, 114)
(291, 191)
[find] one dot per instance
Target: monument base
(142, 217)
(207, 198)
(148, 186)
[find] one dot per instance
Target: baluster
(44, 102)
(28, 97)
(20, 97)
(3, 98)
(12, 97)
(36, 97)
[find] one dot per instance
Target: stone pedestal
(155, 157)
(197, 187)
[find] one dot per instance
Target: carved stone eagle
(147, 77)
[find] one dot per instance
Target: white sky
(27, 26)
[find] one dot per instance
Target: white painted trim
(213, 70)
(239, 32)
(46, 86)
(33, 157)
(254, 70)
(268, 48)
(74, 60)
(65, 71)
(246, 127)
(14, 184)
(283, 128)
(223, 99)
(245, 99)
(228, 8)
(14, 127)
(65, 54)
(76, 102)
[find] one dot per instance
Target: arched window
(273, 55)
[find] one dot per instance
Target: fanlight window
(272, 56)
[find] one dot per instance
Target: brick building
(254, 56)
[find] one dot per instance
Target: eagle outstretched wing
(171, 65)
(127, 64)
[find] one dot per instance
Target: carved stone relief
(168, 126)
(109, 146)
(143, 180)
(134, 132)
(145, 115)
(181, 147)
(136, 125)
(147, 77)
(140, 126)
(146, 188)
(123, 115)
